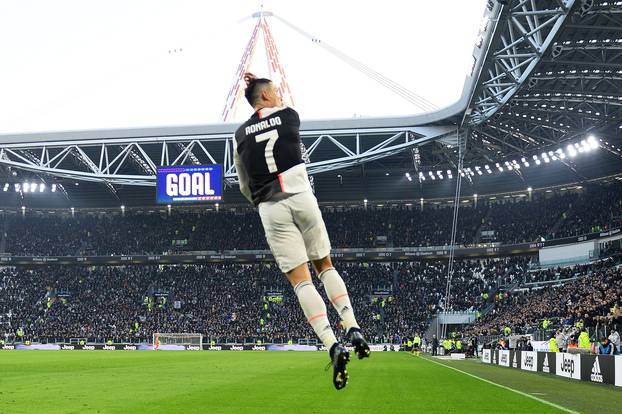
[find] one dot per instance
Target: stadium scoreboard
(189, 184)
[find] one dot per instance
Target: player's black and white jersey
(267, 155)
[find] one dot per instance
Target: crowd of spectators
(599, 210)
(105, 233)
(526, 221)
(227, 301)
(593, 296)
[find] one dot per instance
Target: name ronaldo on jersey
(260, 126)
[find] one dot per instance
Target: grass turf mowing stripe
(230, 382)
(559, 407)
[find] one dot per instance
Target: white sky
(86, 64)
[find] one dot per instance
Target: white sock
(338, 295)
(314, 309)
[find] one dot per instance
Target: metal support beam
(139, 158)
(526, 30)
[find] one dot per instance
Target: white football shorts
(295, 230)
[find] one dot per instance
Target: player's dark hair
(254, 88)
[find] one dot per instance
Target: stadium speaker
(586, 5)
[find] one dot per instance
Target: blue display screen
(189, 184)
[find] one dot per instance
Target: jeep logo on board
(504, 359)
(567, 365)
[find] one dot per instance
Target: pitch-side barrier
(602, 369)
(204, 347)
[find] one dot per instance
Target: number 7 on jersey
(270, 136)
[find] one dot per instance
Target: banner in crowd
(601, 369)
(540, 346)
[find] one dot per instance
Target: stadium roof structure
(541, 107)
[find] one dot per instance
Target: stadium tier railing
(347, 254)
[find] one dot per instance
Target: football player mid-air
(273, 176)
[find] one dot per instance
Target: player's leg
(314, 309)
(308, 218)
(337, 293)
(288, 248)
(311, 303)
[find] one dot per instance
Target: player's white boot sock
(338, 295)
(314, 309)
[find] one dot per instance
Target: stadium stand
(224, 301)
(592, 295)
(228, 302)
(546, 216)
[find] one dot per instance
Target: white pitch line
(559, 407)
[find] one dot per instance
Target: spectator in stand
(605, 347)
(561, 340)
(614, 338)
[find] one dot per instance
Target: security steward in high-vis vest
(584, 340)
(447, 346)
(417, 345)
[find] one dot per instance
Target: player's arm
(242, 174)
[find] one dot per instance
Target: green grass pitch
(275, 382)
